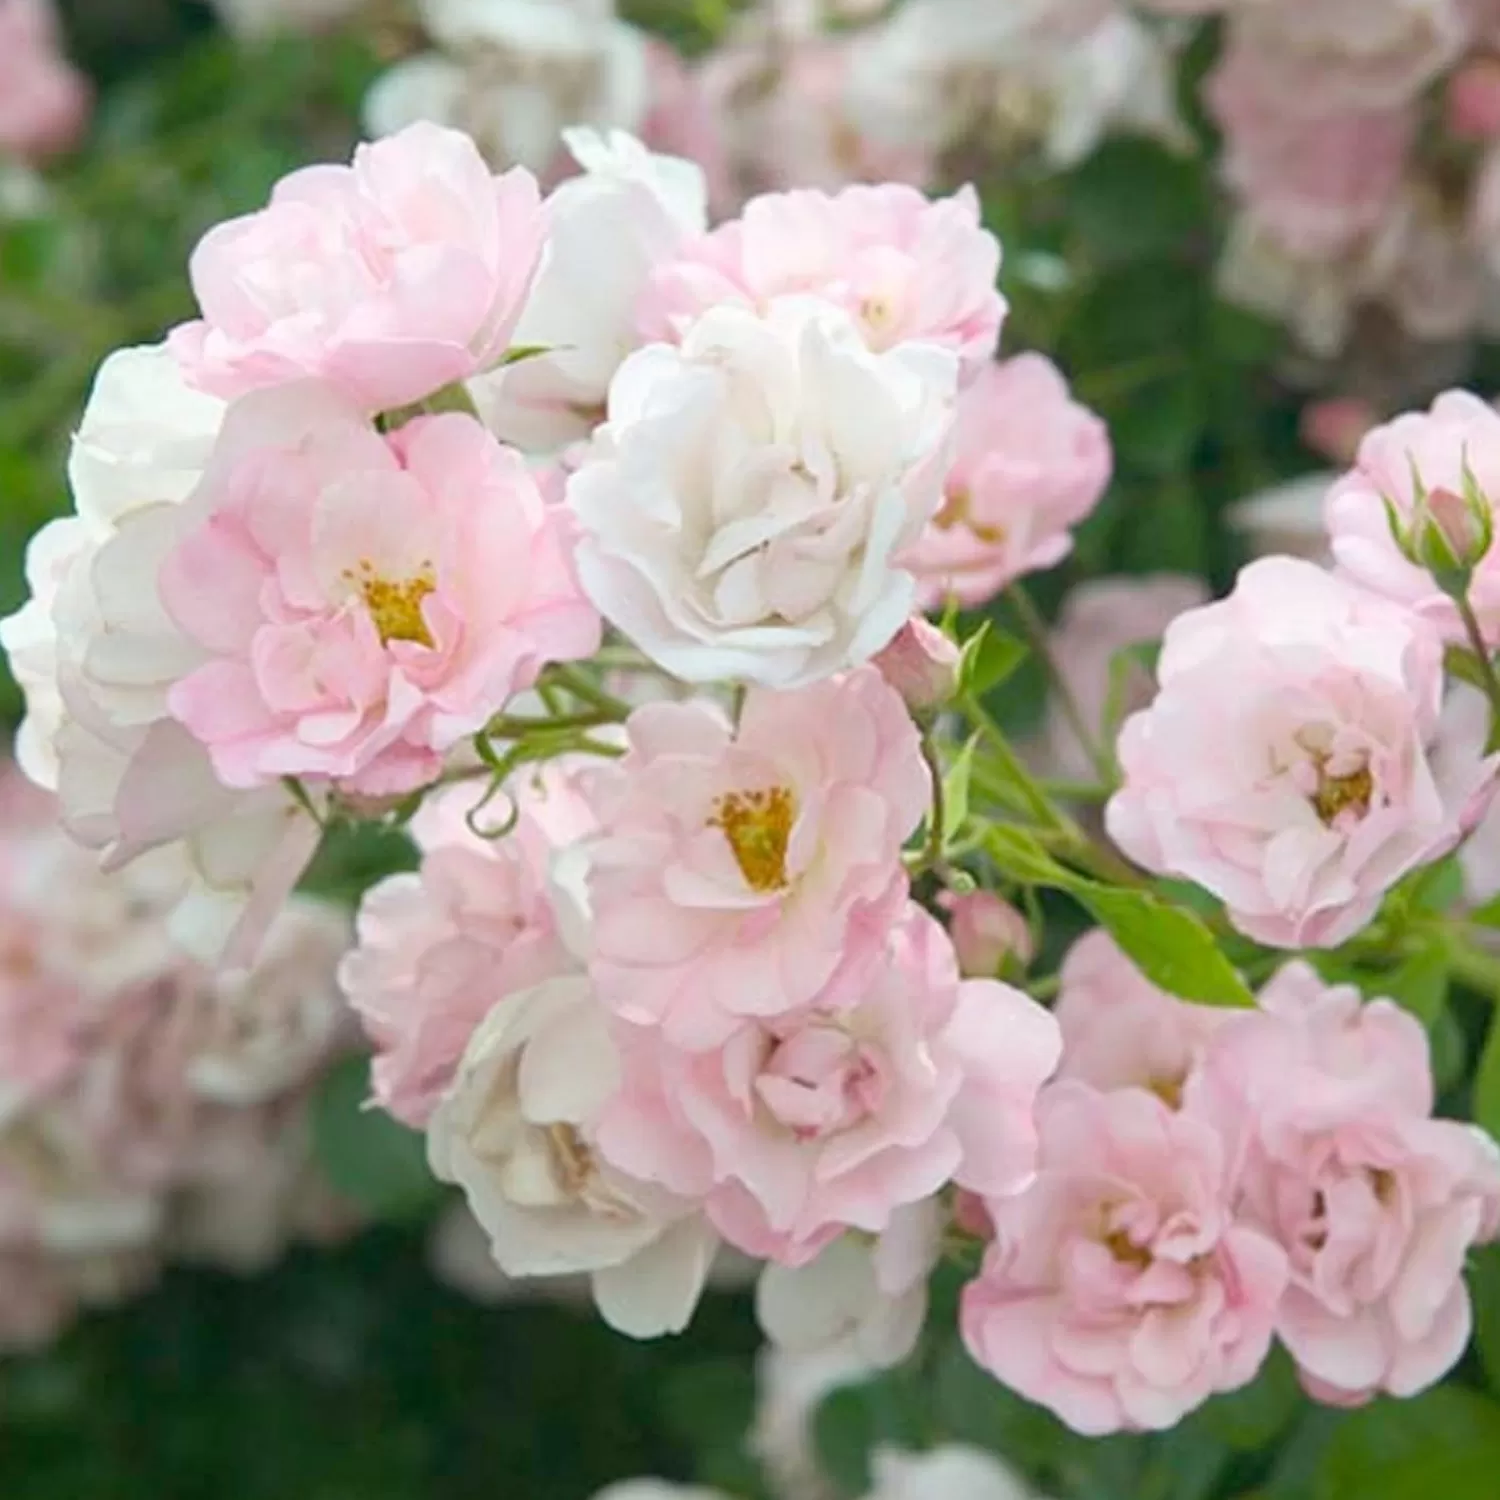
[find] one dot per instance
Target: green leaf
(1170, 946)
(1420, 985)
(367, 1156)
(1444, 1445)
(1251, 1419)
(1133, 198)
(1487, 1082)
(1484, 1288)
(956, 791)
(990, 656)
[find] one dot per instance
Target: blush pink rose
(1122, 1290)
(389, 278)
(903, 267)
(1432, 448)
(986, 930)
(440, 947)
(1120, 1031)
(1031, 464)
(1317, 181)
(1471, 100)
(364, 601)
(1375, 1203)
(1286, 764)
(839, 1114)
(737, 871)
(44, 100)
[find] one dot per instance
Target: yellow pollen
(572, 1158)
(758, 825)
(955, 512)
(1168, 1090)
(1126, 1251)
(1336, 794)
(395, 607)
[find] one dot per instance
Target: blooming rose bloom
(44, 102)
(1122, 1290)
(517, 1131)
(745, 506)
(1431, 449)
(1315, 178)
(868, 1299)
(903, 267)
(1375, 1203)
(890, 1084)
(737, 871)
(784, 101)
(582, 306)
(1031, 464)
(1286, 763)
(97, 655)
(408, 586)
(515, 74)
(1100, 619)
(1054, 76)
(389, 278)
(439, 948)
(1120, 1031)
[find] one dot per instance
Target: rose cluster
(149, 1110)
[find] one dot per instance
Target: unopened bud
(921, 663)
(986, 930)
(1471, 103)
(1447, 534)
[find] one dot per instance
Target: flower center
(758, 825)
(1126, 1251)
(571, 1158)
(395, 606)
(1335, 795)
(955, 512)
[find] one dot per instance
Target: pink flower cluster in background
(44, 101)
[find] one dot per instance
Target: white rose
(270, 1028)
(96, 654)
(629, 210)
(515, 73)
(746, 504)
(952, 1472)
(656, 1489)
(789, 1389)
(861, 1297)
(513, 1132)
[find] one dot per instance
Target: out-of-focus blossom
(44, 101)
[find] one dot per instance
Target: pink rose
(1471, 100)
(921, 663)
(903, 267)
(1100, 619)
(1375, 1203)
(439, 947)
(364, 601)
(1286, 762)
(1122, 1290)
(44, 101)
(1432, 448)
(835, 1116)
(738, 871)
(1316, 180)
(1120, 1031)
(390, 278)
(1031, 464)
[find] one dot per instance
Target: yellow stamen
(955, 512)
(758, 825)
(395, 606)
(1336, 794)
(572, 1158)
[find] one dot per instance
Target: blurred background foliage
(353, 1375)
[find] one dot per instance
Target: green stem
(517, 726)
(1034, 628)
(582, 687)
(932, 857)
(1488, 680)
(1476, 969)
